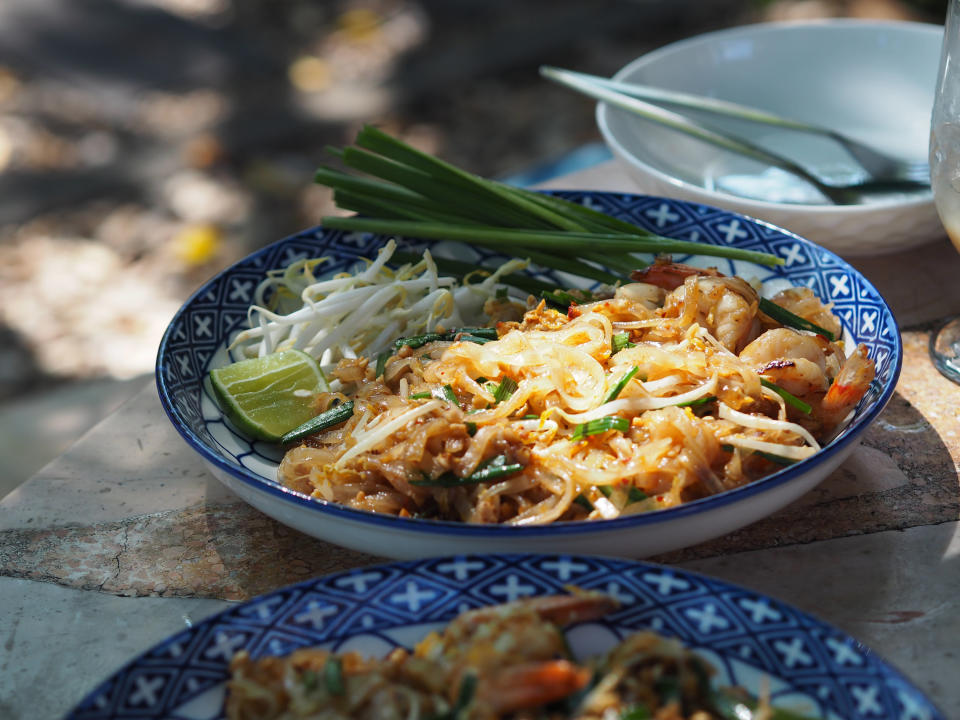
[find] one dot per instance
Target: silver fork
(883, 173)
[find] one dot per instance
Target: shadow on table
(874, 550)
(901, 475)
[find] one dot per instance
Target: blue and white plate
(198, 336)
(752, 640)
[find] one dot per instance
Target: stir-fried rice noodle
(508, 661)
(644, 400)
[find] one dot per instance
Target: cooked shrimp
(647, 294)
(512, 650)
(670, 275)
(532, 685)
(488, 664)
(557, 416)
(625, 305)
(790, 359)
(726, 306)
(849, 387)
(515, 628)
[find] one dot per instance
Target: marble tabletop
(126, 537)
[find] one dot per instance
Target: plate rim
(612, 564)
(567, 528)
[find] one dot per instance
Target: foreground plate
(752, 640)
(198, 335)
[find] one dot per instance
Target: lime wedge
(267, 397)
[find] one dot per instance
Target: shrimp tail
(531, 685)
(849, 387)
(670, 275)
(579, 606)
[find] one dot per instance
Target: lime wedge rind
(268, 396)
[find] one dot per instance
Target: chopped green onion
(621, 341)
(505, 389)
(478, 339)
(701, 671)
(635, 495)
(583, 502)
(621, 384)
(471, 428)
(785, 317)
(600, 425)
(485, 332)
(333, 416)
(636, 712)
(333, 676)
(697, 402)
(381, 363)
(668, 688)
(482, 334)
(310, 680)
(564, 299)
(417, 341)
(422, 395)
(468, 686)
(558, 298)
(779, 460)
(450, 395)
(787, 397)
(495, 468)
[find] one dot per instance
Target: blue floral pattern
(196, 338)
(751, 639)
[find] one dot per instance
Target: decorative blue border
(219, 307)
(748, 636)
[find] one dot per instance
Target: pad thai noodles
(506, 661)
(670, 388)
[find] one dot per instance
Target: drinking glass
(945, 176)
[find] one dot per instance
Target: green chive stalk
(414, 194)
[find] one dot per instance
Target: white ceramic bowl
(199, 334)
(871, 80)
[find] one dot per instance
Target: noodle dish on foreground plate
(510, 636)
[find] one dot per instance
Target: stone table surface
(127, 537)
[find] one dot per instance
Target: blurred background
(146, 144)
